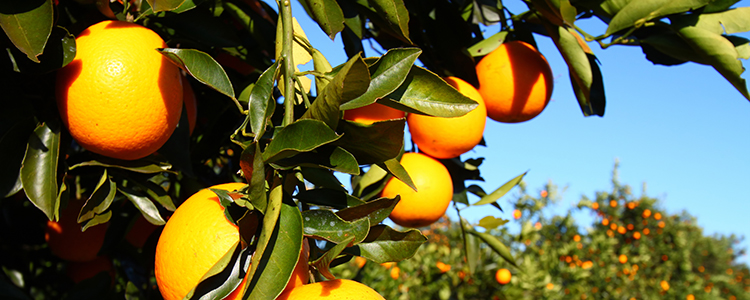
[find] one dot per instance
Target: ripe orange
(646, 213)
(623, 258)
(450, 137)
(443, 267)
(435, 191)
(515, 81)
(140, 232)
(338, 289)
(503, 276)
(395, 272)
(80, 271)
(373, 113)
(67, 241)
(191, 104)
(517, 214)
(664, 285)
(360, 261)
(195, 237)
(119, 97)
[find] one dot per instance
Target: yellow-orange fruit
(515, 82)
(119, 97)
(450, 137)
(443, 267)
(429, 203)
(623, 258)
(338, 289)
(67, 241)
(503, 276)
(195, 238)
(372, 113)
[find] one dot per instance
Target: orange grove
(67, 241)
(515, 81)
(450, 137)
(119, 99)
(503, 276)
(373, 113)
(338, 289)
(434, 191)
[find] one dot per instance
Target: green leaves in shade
(495, 244)
(165, 5)
(148, 209)
(637, 12)
(384, 244)
(351, 81)
(202, 67)
(395, 14)
(96, 210)
(501, 191)
(376, 210)
(261, 103)
(223, 277)
(424, 92)
(59, 51)
(300, 136)
(327, 14)
(374, 143)
(13, 143)
(327, 225)
(139, 166)
(323, 263)
(39, 169)
(387, 74)
(28, 24)
(395, 169)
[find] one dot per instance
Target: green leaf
(202, 67)
(486, 46)
(384, 244)
(726, 22)
(376, 210)
(282, 251)
(147, 208)
(164, 5)
(330, 157)
(327, 14)
(258, 191)
(59, 51)
(323, 263)
(13, 144)
(394, 167)
(374, 143)
(501, 191)
(143, 166)
(39, 169)
(424, 92)
(350, 82)
(672, 45)
(261, 103)
(300, 136)
(99, 201)
(490, 222)
(325, 224)
(495, 244)
(28, 24)
(638, 12)
(372, 176)
(388, 73)
(223, 277)
(326, 197)
(395, 14)
(322, 178)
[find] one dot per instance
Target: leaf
(258, 190)
(667, 48)
(300, 136)
(143, 166)
(277, 262)
(350, 82)
(396, 15)
(223, 277)
(13, 143)
(495, 244)
(165, 5)
(486, 46)
(322, 178)
(322, 196)
(727, 22)
(323, 263)
(373, 175)
(424, 92)
(638, 12)
(99, 201)
(28, 24)
(59, 51)
(376, 210)
(325, 224)
(261, 103)
(374, 143)
(387, 74)
(501, 191)
(147, 208)
(327, 14)
(490, 222)
(394, 167)
(202, 67)
(39, 169)
(384, 244)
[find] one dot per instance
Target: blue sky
(682, 130)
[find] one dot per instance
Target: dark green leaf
(376, 210)
(164, 5)
(719, 5)
(300, 136)
(202, 67)
(373, 175)
(258, 189)
(155, 192)
(261, 103)
(59, 51)
(323, 263)
(11, 291)
(223, 277)
(424, 92)
(501, 191)
(384, 244)
(394, 167)
(351, 81)
(326, 197)
(374, 143)
(99, 202)
(13, 144)
(39, 169)
(147, 208)
(388, 73)
(322, 178)
(325, 224)
(327, 14)
(670, 44)
(28, 24)
(496, 245)
(138, 166)
(396, 15)
(638, 12)
(329, 157)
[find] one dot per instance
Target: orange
(67, 241)
(664, 285)
(623, 258)
(657, 216)
(140, 232)
(517, 214)
(435, 191)
(373, 113)
(515, 81)
(191, 103)
(646, 213)
(450, 137)
(443, 267)
(690, 297)
(395, 272)
(80, 271)
(119, 97)
(360, 261)
(195, 238)
(338, 289)
(503, 276)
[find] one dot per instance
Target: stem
(302, 91)
(285, 7)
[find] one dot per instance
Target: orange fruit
(372, 113)
(443, 267)
(657, 216)
(623, 258)
(360, 261)
(646, 213)
(577, 238)
(664, 285)
(690, 297)
(140, 232)
(119, 97)
(67, 241)
(191, 103)
(429, 203)
(195, 238)
(515, 81)
(338, 289)
(517, 214)
(450, 137)
(395, 272)
(503, 276)
(80, 271)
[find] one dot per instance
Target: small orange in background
(664, 285)
(621, 230)
(517, 214)
(461, 275)
(67, 241)
(543, 193)
(140, 232)
(595, 205)
(550, 286)
(538, 226)
(664, 257)
(577, 238)
(646, 231)
(360, 261)
(503, 276)
(434, 191)
(613, 203)
(657, 216)
(637, 235)
(623, 258)
(690, 297)
(373, 113)
(631, 205)
(605, 222)
(387, 265)
(646, 213)
(80, 271)
(443, 267)
(661, 224)
(515, 82)
(395, 272)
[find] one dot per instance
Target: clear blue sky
(682, 130)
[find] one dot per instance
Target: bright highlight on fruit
(515, 82)
(503, 276)
(120, 99)
(434, 191)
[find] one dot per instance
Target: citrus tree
(119, 114)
